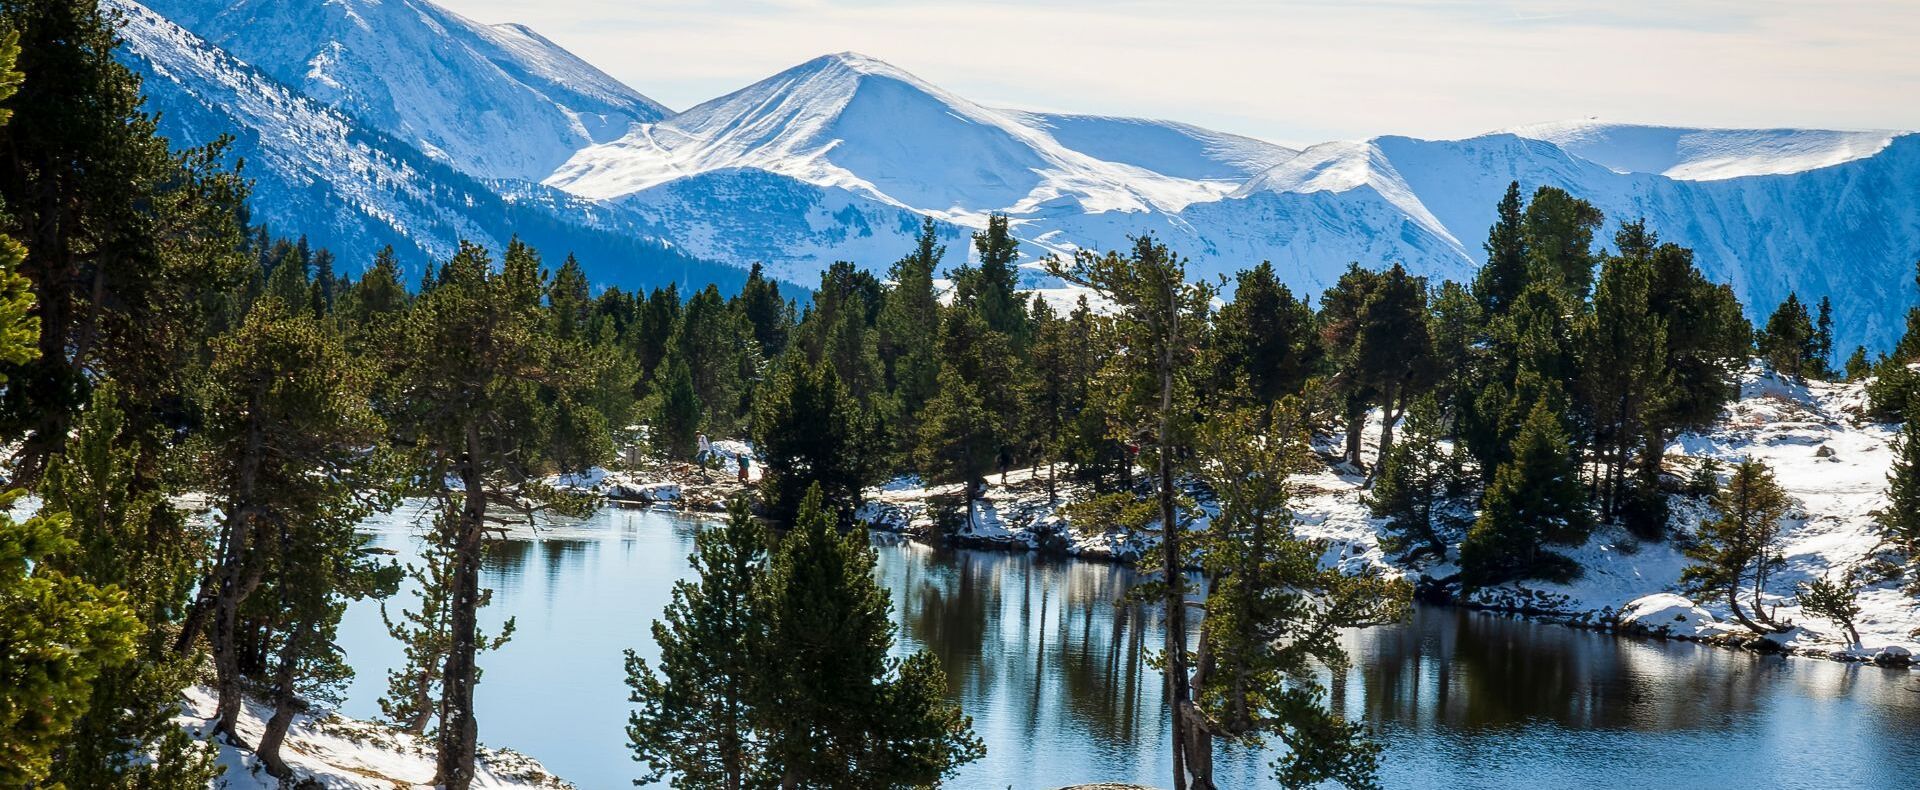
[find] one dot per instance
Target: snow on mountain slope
(1166, 147)
(796, 228)
(493, 101)
(1707, 154)
(852, 122)
(352, 190)
(292, 145)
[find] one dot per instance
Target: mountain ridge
(839, 157)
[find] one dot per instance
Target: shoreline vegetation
(902, 513)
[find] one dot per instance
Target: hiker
(702, 455)
(742, 458)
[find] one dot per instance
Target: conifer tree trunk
(240, 573)
(286, 705)
(1356, 425)
(235, 585)
(1179, 682)
(1389, 416)
(459, 732)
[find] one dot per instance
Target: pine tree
(473, 373)
(1708, 343)
(125, 532)
(909, 333)
(1837, 601)
(1063, 369)
(1740, 544)
(425, 634)
(833, 709)
(1087, 441)
(1823, 340)
(124, 238)
(1392, 349)
(1533, 356)
(379, 291)
(1342, 322)
(60, 634)
(1858, 367)
(1160, 317)
(973, 353)
(713, 341)
(771, 316)
(1559, 232)
(811, 432)
(1266, 339)
(1789, 344)
(1411, 485)
(1505, 273)
(1908, 350)
(1899, 521)
(1535, 500)
(958, 440)
(1458, 328)
(289, 281)
(1625, 386)
(1272, 613)
(290, 421)
(676, 423)
(658, 320)
(1893, 391)
(570, 301)
(991, 291)
(696, 711)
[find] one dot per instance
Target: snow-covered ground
(1832, 464)
(335, 752)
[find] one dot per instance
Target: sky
(1294, 72)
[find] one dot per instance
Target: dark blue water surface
(1047, 659)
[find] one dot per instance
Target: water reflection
(1045, 655)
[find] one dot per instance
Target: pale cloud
(1298, 71)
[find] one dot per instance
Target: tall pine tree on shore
(696, 704)
(291, 421)
(473, 371)
(1535, 501)
(909, 335)
(1160, 318)
(1740, 546)
(834, 710)
(1273, 614)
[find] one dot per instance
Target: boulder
(1666, 614)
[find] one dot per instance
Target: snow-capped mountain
(839, 158)
(495, 101)
(856, 123)
(1821, 213)
(318, 172)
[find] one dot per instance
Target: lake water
(1046, 659)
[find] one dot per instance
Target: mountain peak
(860, 62)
